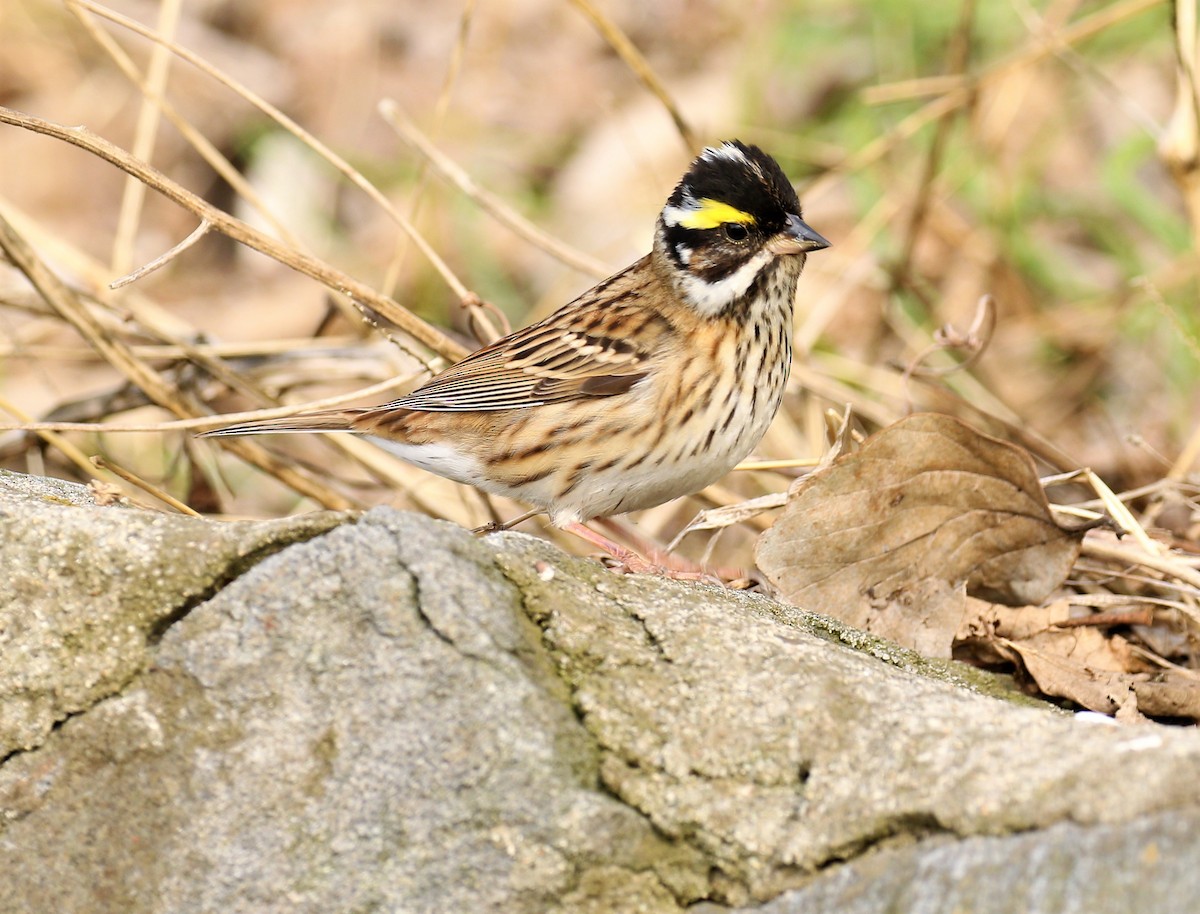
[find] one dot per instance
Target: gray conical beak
(797, 238)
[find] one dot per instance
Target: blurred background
(949, 149)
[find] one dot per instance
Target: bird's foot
(625, 561)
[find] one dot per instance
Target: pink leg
(629, 561)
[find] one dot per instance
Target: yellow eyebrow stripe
(712, 213)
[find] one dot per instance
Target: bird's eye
(735, 231)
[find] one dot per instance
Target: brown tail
(329, 420)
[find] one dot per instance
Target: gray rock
(396, 716)
(1144, 865)
(362, 722)
(84, 589)
(777, 752)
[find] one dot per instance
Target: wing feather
(581, 351)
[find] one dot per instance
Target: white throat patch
(711, 298)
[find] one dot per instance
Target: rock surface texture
(385, 713)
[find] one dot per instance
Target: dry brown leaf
(1077, 658)
(1091, 670)
(985, 627)
(928, 508)
(919, 616)
(1171, 695)
(1078, 665)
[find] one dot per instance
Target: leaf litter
(942, 539)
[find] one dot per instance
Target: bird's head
(732, 215)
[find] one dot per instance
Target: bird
(648, 387)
